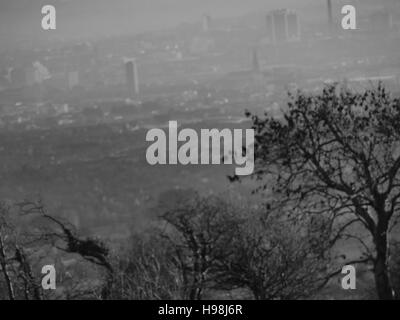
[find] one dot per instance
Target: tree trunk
(3, 265)
(381, 272)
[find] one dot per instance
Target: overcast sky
(21, 19)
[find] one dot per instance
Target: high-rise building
(29, 75)
(330, 14)
(132, 78)
(293, 26)
(254, 61)
(206, 23)
(270, 27)
(41, 73)
(282, 25)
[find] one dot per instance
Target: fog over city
(96, 18)
(200, 149)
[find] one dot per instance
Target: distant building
(132, 78)
(29, 75)
(41, 73)
(279, 19)
(293, 26)
(255, 64)
(206, 23)
(270, 27)
(330, 14)
(282, 26)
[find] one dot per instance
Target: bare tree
(337, 155)
(394, 268)
(4, 257)
(201, 231)
(19, 278)
(65, 238)
(146, 270)
(26, 230)
(276, 257)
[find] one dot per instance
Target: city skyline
(88, 19)
(243, 150)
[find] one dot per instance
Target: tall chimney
(330, 16)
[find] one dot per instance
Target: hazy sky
(21, 19)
